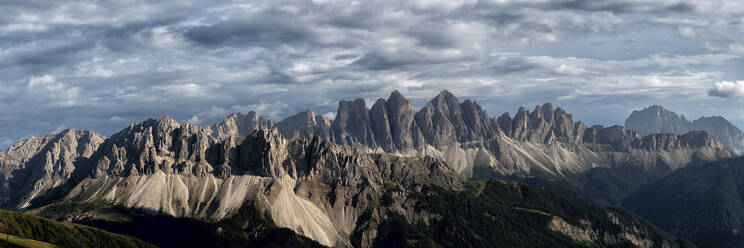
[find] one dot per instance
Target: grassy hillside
(7, 240)
(27, 228)
(249, 227)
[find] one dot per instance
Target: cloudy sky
(101, 65)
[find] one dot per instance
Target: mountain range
(656, 119)
(388, 175)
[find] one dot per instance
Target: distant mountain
(704, 203)
(656, 119)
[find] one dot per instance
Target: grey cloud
(619, 6)
(268, 30)
(432, 36)
(345, 56)
(379, 62)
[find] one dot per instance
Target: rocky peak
(240, 124)
(263, 152)
(504, 123)
(302, 123)
(441, 120)
(656, 119)
(477, 121)
(397, 98)
(543, 125)
(404, 131)
(159, 145)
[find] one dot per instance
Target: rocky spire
(380, 125)
(351, 126)
(404, 130)
(441, 120)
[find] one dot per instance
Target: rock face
(656, 119)
(303, 123)
(34, 167)
(703, 203)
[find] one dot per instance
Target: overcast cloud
(105, 64)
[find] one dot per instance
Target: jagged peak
(655, 107)
(522, 111)
(269, 135)
(358, 101)
(249, 114)
(381, 101)
(547, 106)
(396, 97)
(396, 94)
(163, 123)
(310, 112)
(166, 122)
(352, 103)
(444, 96)
(445, 93)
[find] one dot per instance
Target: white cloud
(116, 119)
(59, 129)
(183, 90)
(47, 91)
(686, 32)
(329, 116)
(272, 110)
(194, 120)
(569, 70)
(727, 89)
(46, 82)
